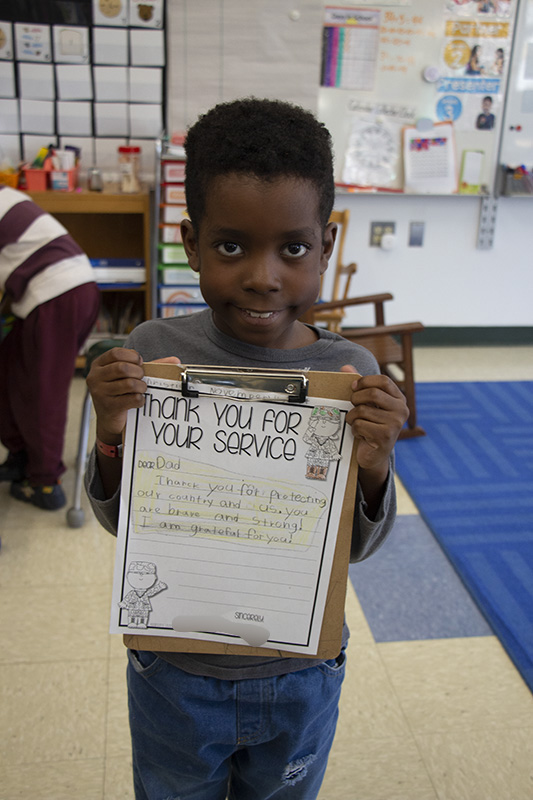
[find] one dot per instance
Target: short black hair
(265, 138)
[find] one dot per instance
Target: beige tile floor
(420, 720)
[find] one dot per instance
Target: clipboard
(294, 386)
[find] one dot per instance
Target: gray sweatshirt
(196, 340)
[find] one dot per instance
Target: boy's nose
(262, 276)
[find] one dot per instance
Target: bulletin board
(386, 66)
(89, 73)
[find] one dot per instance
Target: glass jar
(95, 181)
(129, 159)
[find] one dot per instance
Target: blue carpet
(409, 590)
(471, 478)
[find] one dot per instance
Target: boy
(485, 120)
(49, 283)
(260, 189)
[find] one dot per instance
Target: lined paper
(231, 510)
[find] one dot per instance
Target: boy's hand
(116, 383)
(378, 415)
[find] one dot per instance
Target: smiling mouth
(258, 314)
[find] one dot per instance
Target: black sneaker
(13, 468)
(48, 497)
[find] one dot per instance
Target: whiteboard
(220, 50)
(388, 65)
(517, 133)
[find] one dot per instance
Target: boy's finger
(118, 354)
(380, 382)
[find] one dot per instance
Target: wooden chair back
(342, 276)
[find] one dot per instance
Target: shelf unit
(178, 292)
(109, 225)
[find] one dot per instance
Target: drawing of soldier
(322, 434)
(142, 576)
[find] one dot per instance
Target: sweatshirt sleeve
(369, 534)
(105, 509)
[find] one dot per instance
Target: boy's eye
(229, 249)
(295, 250)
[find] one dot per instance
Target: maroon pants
(37, 361)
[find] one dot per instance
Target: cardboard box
(173, 254)
(178, 275)
(64, 180)
(181, 294)
(178, 311)
(174, 172)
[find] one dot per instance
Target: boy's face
(486, 106)
(326, 426)
(260, 254)
(141, 580)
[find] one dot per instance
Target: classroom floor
(421, 719)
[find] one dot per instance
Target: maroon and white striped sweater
(39, 260)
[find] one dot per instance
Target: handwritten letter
(229, 516)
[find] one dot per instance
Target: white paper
(37, 116)
(111, 119)
(36, 81)
(110, 46)
(6, 40)
(430, 163)
(74, 82)
(472, 164)
(111, 84)
(350, 48)
(147, 48)
(146, 121)
(33, 42)
(71, 44)
(110, 12)
(74, 118)
(7, 79)
(10, 148)
(221, 499)
(146, 84)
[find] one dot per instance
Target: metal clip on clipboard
(236, 383)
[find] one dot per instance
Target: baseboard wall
(473, 337)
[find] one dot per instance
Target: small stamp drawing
(142, 577)
(322, 434)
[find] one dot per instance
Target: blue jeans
(197, 738)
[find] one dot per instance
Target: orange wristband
(109, 450)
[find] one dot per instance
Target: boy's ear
(188, 237)
(328, 244)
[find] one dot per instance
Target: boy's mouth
(258, 314)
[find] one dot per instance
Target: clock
(371, 156)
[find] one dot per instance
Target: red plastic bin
(37, 179)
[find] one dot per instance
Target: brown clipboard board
(334, 385)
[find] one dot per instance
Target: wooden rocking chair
(332, 317)
(392, 345)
